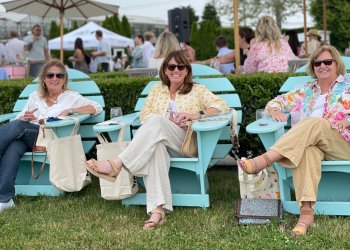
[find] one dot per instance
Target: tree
(337, 19)
(250, 10)
(210, 14)
(126, 26)
(54, 30)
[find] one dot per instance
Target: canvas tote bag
(66, 156)
(126, 185)
(189, 147)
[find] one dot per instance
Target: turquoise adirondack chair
(333, 191)
(346, 60)
(78, 81)
(188, 176)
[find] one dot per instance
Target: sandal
(112, 176)
(147, 225)
(253, 168)
(302, 226)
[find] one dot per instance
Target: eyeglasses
(172, 67)
(327, 62)
(50, 75)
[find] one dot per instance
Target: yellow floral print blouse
(199, 98)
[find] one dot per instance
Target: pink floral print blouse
(300, 102)
(260, 59)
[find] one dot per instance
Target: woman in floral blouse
(320, 111)
(169, 105)
(269, 52)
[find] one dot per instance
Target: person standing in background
(15, 49)
(79, 57)
(103, 53)
(2, 54)
(38, 52)
(148, 48)
(312, 44)
(294, 42)
(222, 49)
(137, 53)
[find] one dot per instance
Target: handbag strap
(41, 168)
(102, 139)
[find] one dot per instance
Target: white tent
(87, 34)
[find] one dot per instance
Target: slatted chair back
(82, 83)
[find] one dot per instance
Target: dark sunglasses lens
(51, 75)
(181, 67)
(60, 76)
(171, 67)
(326, 62)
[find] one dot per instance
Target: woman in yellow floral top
(321, 112)
(169, 105)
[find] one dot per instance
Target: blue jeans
(34, 68)
(16, 138)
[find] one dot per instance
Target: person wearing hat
(313, 43)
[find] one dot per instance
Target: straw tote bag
(66, 156)
(126, 185)
(189, 147)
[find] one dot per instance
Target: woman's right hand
(278, 116)
(29, 116)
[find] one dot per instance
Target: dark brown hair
(180, 58)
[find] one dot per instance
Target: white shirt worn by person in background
(15, 51)
(103, 45)
(148, 51)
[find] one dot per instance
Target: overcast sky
(159, 8)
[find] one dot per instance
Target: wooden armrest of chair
(6, 117)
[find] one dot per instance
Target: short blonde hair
(42, 86)
(341, 70)
(267, 30)
(166, 43)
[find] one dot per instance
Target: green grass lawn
(85, 221)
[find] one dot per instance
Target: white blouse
(66, 100)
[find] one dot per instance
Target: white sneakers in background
(6, 205)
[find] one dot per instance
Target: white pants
(148, 155)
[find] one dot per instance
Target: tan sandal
(302, 226)
(147, 223)
(253, 168)
(112, 176)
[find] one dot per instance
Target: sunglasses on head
(50, 75)
(172, 67)
(326, 62)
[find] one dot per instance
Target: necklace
(53, 101)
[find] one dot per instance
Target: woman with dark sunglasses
(170, 104)
(321, 113)
(52, 99)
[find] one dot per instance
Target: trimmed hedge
(255, 90)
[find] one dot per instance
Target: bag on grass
(126, 185)
(66, 155)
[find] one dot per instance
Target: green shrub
(255, 90)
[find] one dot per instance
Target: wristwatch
(70, 112)
(202, 114)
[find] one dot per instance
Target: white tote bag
(66, 156)
(125, 186)
(262, 186)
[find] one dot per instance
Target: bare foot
(157, 218)
(104, 166)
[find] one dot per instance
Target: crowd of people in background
(265, 50)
